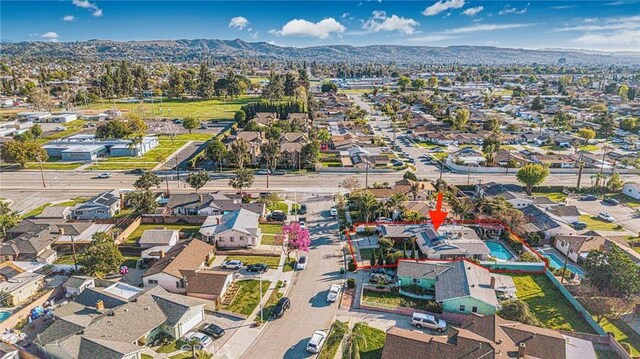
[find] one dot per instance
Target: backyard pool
(498, 251)
(556, 263)
(4, 316)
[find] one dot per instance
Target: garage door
(192, 322)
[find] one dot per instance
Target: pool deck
(557, 253)
(514, 256)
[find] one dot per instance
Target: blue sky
(598, 25)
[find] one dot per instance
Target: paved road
(287, 337)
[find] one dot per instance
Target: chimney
(99, 305)
(201, 198)
(218, 220)
(521, 350)
(162, 253)
(493, 282)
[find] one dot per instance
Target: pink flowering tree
(294, 238)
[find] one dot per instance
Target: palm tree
(352, 340)
(415, 189)
(367, 204)
(394, 203)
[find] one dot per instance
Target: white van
(428, 321)
(316, 341)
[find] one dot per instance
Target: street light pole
(261, 306)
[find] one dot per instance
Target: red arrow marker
(438, 216)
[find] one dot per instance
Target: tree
(240, 117)
(353, 338)
(206, 82)
(461, 119)
(607, 125)
(367, 204)
(290, 84)
(404, 82)
(36, 131)
(198, 180)
(490, 147)
(216, 151)
(239, 153)
(175, 83)
(419, 84)
(433, 82)
(41, 100)
(517, 310)
(141, 202)
(328, 86)
(8, 218)
(309, 154)
(587, 134)
(295, 238)
(537, 104)
(243, 179)
(624, 92)
(629, 124)
(411, 216)
(102, 257)
(492, 124)
(190, 123)
(532, 174)
(323, 135)
(612, 273)
(147, 180)
(350, 183)
(615, 182)
(270, 151)
(410, 176)
(22, 152)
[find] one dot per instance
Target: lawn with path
(554, 196)
(184, 228)
(596, 224)
(248, 296)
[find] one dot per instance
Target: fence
(574, 302)
(128, 230)
(23, 313)
(162, 219)
(515, 267)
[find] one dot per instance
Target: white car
(316, 342)
(234, 264)
(428, 321)
(60, 128)
(204, 339)
(104, 175)
(334, 211)
(302, 263)
(606, 217)
(334, 292)
(264, 172)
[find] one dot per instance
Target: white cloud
(483, 27)
(625, 40)
(562, 7)
(345, 15)
(473, 11)
(443, 5)
(51, 36)
(432, 38)
(610, 23)
(508, 9)
(85, 4)
(239, 22)
(379, 21)
(300, 27)
(68, 18)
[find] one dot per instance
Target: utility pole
(166, 180)
(261, 306)
(581, 165)
(506, 172)
(177, 172)
(366, 176)
(468, 173)
(44, 184)
(73, 250)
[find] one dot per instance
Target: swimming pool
(498, 251)
(4, 316)
(556, 263)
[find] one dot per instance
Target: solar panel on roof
(8, 272)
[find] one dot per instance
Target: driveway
(288, 336)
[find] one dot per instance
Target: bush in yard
(351, 282)
(626, 347)
(351, 266)
(519, 311)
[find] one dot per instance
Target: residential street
(288, 336)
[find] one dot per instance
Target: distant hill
(195, 50)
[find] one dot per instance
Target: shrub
(351, 282)
(519, 311)
(351, 266)
(626, 347)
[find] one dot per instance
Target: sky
(610, 25)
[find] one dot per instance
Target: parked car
(258, 267)
(302, 263)
(279, 172)
(611, 201)
(396, 163)
(606, 217)
(234, 264)
(283, 304)
(104, 175)
(588, 197)
(334, 211)
(204, 339)
(579, 225)
(303, 209)
(137, 171)
(60, 128)
(334, 292)
(428, 321)
(316, 342)
(213, 331)
(303, 222)
(278, 216)
(264, 172)
(437, 149)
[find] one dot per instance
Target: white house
(77, 283)
(158, 237)
(632, 189)
(61, 118)
(237, 229)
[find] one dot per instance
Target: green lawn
(552, 148)
(394, 300)
(116, 166)
(427, 145)
(271, 302)
(130, 261)
(595, 223)
(171, 347)
(216, 109)
(626, 200)
(441, 156)
(65, 259)
(67, 166)
(548, 304)
(164, 149)
(272, 262)
(269, 240)
(71, 128)
(267, 228)
(185, 228)
(370, 340)
(278, 206)
(72, 202)
(554, 196)
(589, 148)
(622, 333)
(248, 296)
(338, 330)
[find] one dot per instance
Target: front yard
(394, 300)
(269, 232)
(370, 340)
(272, 262)
(248, 296)
(271, 302)
(184, 228)
(548, 304)
(338, 330)
(554, 196)
(596, 224)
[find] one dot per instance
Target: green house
(460, 286)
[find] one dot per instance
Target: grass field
(267, 228)
(554, 196)
(116, 166)
(272, 262)
(595, 223)
(248, 296)
(548, 304)
(71, 128)
(626, 200)
(589, 148)
(370, 340)
(216, 109)
(623, 334)
(70, 203)
(185, 228)
(393, 300)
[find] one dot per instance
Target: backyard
(548, 304)
(248, 296)
(623, 333)
(554, 196)
(184, 228)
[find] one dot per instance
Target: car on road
(90, 125)
(606, 217)
(137, 171)
(258, 267)
(396, 163)
(588, 197)
(427, 321)
(204, 339)
(316, 342)
(334, 211)
(303, 222)
(334, 292)
(104, 175)
(303, 209)
(264, 172)
(611, 201)
(302, 263)
(437, 149)
(579, 225)
(283, 304)
(233, 264)
(60, 128)
(213, 331)
(279, 172)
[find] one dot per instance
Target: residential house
(291, 145)
(567, 214)
(539, 221)
(76, 284)
(103, 206)
(299, 120)
(30, 242)
(631, 189)
(487, 337)
(578, 246)
(512, 193)
(254, 139)
(56, 212)
(214, 203)
(460, 286)
(209, 285)
(414, 190)
(237, 229)
(168, 271)
(18, 285)
(158, 237)
(554, 160)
